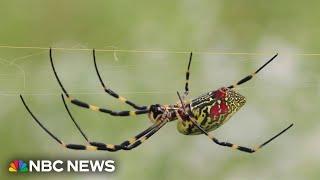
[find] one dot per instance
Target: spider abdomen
(212, 110)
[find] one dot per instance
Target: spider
(198, 116)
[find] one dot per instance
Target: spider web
(15, 63)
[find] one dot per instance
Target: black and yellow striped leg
(144, 138)
(132, 140)
(247, 78)
(227, 144)
(89, 106)
(234, 146)
(71, 117)
(112, 93)
(104, 110)
(186, 88)
(126, 145)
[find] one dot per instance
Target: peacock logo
(18, 166)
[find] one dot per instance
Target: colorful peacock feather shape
(18, 166)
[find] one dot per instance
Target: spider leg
(227, 144)
(234, 146)
(145, 137)
(186, 88)
(247, 78)
(126, 145)
(112, 93)
(89, 106)
(73, 120)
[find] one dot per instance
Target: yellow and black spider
(198, 116)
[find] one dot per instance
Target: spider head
(156, 110)
(229, 96)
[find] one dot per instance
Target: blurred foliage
(287, 91)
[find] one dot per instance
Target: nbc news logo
(20, 166)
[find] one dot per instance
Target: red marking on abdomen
(224, 108)
(218, 109)
(219, 94)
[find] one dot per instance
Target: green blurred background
(287, 91)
